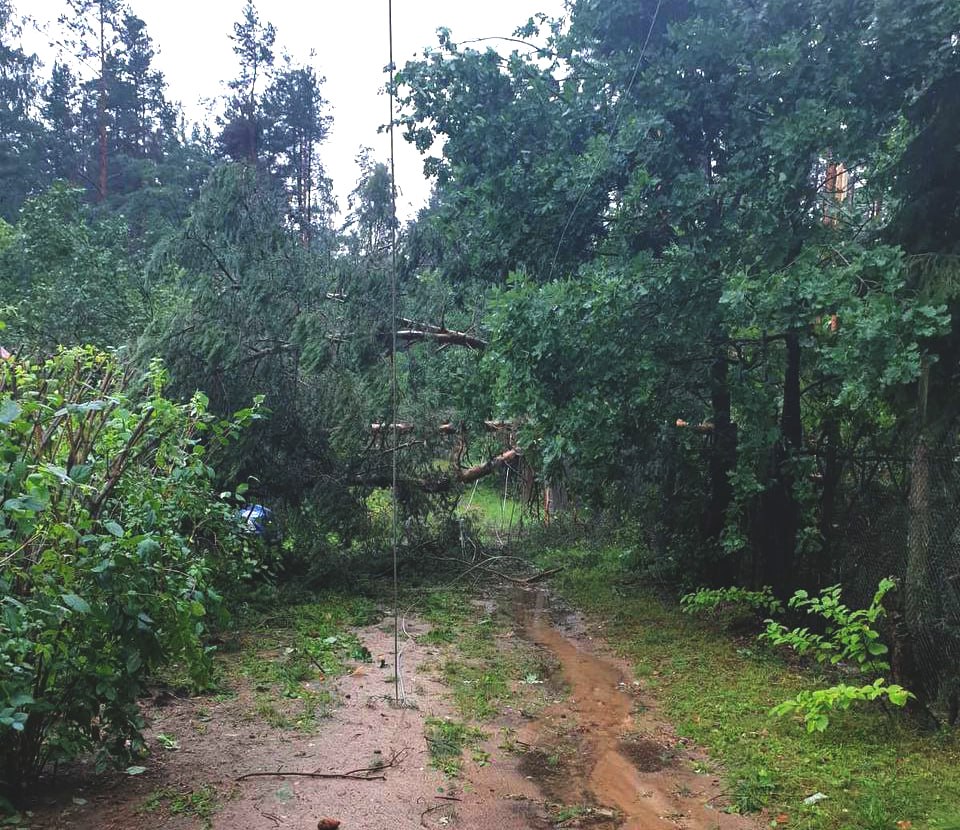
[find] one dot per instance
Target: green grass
(569, 812)
(201, 803)
(446, 740)
(876, 770)
(478, 671)
(486, 506)
(281, 652)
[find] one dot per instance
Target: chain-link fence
(900, 517)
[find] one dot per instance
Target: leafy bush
(111, 531)
(733, 599)
(814, 704)
(849, 635)
(849, 638)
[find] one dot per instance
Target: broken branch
(452, 338)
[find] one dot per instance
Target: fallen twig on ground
(429, 810)
(281, 774)
(484, 565)
(359, 774)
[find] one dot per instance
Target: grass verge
(286, 655)
(878, 772)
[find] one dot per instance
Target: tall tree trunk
(832, 473)
(723, 451)
(917, 612)
(102, 110)
(781, 514)
(919, 499)
(555, 499)
(722, 461)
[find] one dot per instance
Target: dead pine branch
(484, 566)
(443, 484)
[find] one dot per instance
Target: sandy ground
(594, 752)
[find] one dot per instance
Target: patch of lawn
(876, 770)
(283, 652)
(486, 506)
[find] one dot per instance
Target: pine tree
(95, 25)
(19, 130)
(59, 109)
(253, 41)
(297, 125)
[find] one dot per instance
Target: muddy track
(591, 751)
(622, 763)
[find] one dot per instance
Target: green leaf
(898, 695)
(147, 548)
(135, 770)
(80, 473)
(82, 408)
(31, 504)
(9, 410)
(76, 603)
(113, 528)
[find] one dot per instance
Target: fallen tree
(445, 482)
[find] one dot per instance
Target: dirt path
(627, 756)
(196, 787)
(583, 747)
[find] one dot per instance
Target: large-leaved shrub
(113, 540)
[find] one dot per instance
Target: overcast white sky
(350, 43)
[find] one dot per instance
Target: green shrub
(731, 600)
(814, 705)
(849, 636)
(111, 534)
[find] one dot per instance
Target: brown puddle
(614, 766)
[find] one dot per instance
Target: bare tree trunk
(832, 472)
(555, 500)
(916, 614)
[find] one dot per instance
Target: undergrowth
(200, 803)
(286, 653)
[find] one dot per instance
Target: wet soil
(605, 747)
(582, 745)
(222, 739)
